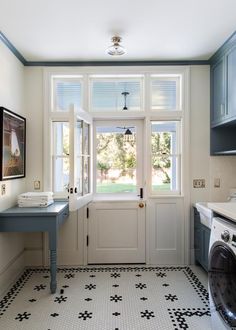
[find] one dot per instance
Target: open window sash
(79, 158)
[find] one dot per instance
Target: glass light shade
(116, 49)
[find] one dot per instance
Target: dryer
(222, 274)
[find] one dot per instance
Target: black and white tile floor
(109, 298)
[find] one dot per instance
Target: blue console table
(25, 219)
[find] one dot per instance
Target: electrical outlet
(37, 185)
(3, 189)
(199, 183)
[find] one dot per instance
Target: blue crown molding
(224, 48)
(117, 63)
(12, 48)
(97, 63)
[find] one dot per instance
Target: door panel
(116, 233)
(166, 231)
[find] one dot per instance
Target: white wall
(202, 165)
(11, 97)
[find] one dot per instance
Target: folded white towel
(36, 194)
(34, 204)
(34, 199)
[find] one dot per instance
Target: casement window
(165, 157)
(165, 93)
(60, 157)
(68, 154)
(116, 93)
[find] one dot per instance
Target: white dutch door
(116, 224)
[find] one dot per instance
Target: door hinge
(87, 240)
(87, 212)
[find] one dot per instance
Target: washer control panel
(225, 235)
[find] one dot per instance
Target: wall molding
(21, 58)
(12, 48)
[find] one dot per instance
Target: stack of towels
(35, 199)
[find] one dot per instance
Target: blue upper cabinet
(223, 99)
(231, 83)
(218, 113)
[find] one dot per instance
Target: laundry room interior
(118, 165)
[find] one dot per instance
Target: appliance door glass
(222, 281)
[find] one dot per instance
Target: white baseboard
(11, 272)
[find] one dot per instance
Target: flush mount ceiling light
(116, 49)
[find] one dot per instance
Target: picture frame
(12, 145)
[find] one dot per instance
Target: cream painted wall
(201, 164)
(11, 97)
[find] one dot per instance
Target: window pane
(165, 156)
(165, 93)
(86, 138)
(164, 173)
(79, 176)
(66, 92)
(61, 173)
(86, 183)
(116, 160)
(107, 95)
(60, 156)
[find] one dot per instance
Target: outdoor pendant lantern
(125, 96)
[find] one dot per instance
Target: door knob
(141, 205)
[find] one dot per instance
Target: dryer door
(222, 281)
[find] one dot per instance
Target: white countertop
(228, 210)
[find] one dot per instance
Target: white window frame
(51, 116)
(148, 72)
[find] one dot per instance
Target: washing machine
(222, 274)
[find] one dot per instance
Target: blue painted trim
(224, 48)
(12, 48)
(117, 63)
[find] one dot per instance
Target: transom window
(165, 93)
(66, 90)
(116, 93)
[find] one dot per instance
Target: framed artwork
(12, 145)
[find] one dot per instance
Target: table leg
(53, 260)
(53, 270)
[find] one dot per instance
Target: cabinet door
(231, 83)
(205, 246)
(197, 237)
(218, 92)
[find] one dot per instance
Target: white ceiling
(76, 30)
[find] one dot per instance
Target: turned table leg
(53, 260)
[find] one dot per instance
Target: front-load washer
(222, 274)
